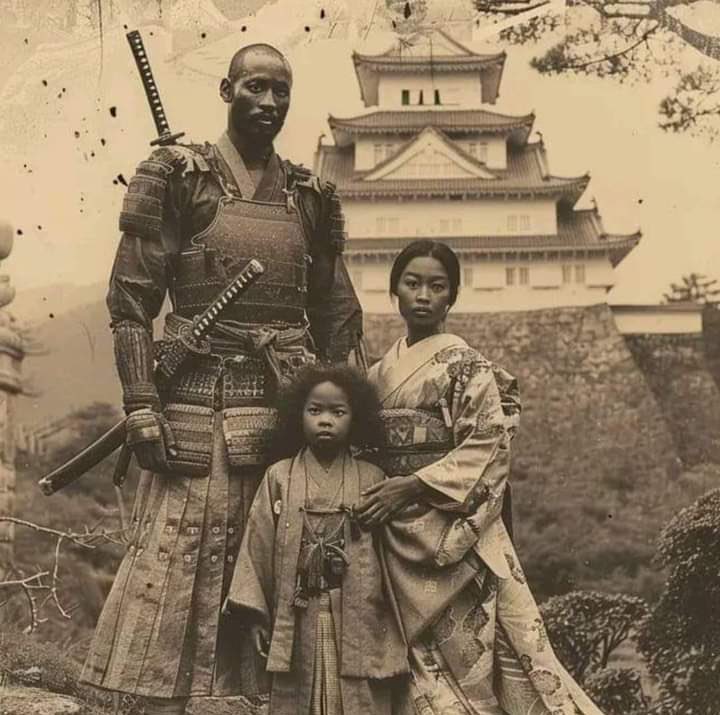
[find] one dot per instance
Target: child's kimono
(314, 580)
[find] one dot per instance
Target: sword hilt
(204, 323)
(165, 136)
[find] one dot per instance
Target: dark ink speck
(322, 13)
(44, 83)
(243, 28)
(113, 111)
(121, 179)
(19, 232)
(103, 142)
(51, 315)
(77, 135)
(307, 29)
(203, 35)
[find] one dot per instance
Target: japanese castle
(430, 160)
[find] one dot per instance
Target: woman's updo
(424, 249)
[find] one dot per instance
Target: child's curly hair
(366, 431)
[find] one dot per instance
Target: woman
(477, 642)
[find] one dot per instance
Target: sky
(74, 127)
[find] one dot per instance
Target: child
(307, 579)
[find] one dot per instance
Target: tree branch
(615, 55)
(31, 584)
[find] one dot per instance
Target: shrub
(681, 637)
(585, 627)
(617, 691)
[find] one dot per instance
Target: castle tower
(11, 355)
(432, 160)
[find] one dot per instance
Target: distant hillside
(35, 305)
(79, 367)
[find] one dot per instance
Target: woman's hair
(366, 430)
(431, 249)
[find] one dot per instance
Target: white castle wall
(441, 217)
(495, 285)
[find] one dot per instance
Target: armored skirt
(478, 645)
(161, 632)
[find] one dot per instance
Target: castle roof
(451, 121)
(526, 175)
(579, 230)
(433, 52)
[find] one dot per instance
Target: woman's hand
(260, 638)
(384, 499)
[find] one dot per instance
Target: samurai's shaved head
(259, 49)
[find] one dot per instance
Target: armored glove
(151, 439)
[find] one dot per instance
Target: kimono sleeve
(476, 470)
(252, 585)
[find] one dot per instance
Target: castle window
(512, 223)
(380, 225)
(405, 94)
(524, 222)
(483, 152)
(510, 276)
(393, 225)
(379, 153)
(388, 150)
(444, 226)
(457, 226)
(567, 274)
(524, 276)
(468, 277)
(420, 98)
(472, 149)
(437, 96)
(579, 273)
(356, 277)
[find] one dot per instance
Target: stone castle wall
(680, 377)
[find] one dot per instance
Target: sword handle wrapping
(137, 46)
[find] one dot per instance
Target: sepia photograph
(359, 356)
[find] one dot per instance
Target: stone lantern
(11, 355)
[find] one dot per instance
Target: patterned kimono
(478, 645)
(315, 582)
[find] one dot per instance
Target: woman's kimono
(336, 647)
(478, 645)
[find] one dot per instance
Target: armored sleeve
(149, 222)
(333, 307)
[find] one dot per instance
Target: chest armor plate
(242, 230)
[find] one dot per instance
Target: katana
(192, 339)
(165, 136)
